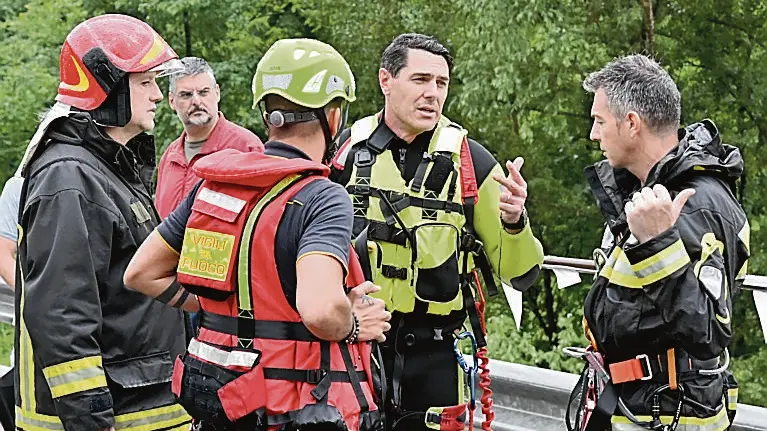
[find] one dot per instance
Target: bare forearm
(8, 261)
(334, 323)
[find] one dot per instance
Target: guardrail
(526, 398)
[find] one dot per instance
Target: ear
(634, 124)
(218, 93)
(334, 120)
(171, 102)
(384, 80)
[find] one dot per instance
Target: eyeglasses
(189, 95)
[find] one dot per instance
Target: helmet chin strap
(280, 118)
(331, 141)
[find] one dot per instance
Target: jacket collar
(135, 160)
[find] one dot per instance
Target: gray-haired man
(194, 96)
(676, 250)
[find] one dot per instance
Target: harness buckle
(363, 159)
(648, 375)
(314, 377)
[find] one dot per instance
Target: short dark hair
(394, 57)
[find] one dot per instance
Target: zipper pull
(402, 154)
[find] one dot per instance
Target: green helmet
(306, 72)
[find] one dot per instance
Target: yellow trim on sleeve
(324, 253)
(166, 243)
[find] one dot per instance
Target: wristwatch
(519, 224)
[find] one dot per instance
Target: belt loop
(672, 377)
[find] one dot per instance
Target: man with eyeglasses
(194, 96)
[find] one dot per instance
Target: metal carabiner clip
(470, 370)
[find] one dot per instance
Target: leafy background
(515, 86)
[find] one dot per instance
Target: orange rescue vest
(271, 370)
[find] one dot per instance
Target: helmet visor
(170, 67)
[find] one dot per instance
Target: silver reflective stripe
(162, 417)
(75, 376)
(222, 357)
(666, 261)
(229, 203)
(23, 418)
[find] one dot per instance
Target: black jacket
(675, 290)
(88, 350)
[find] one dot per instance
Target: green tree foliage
(516, 86)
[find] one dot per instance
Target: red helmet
(100, 51)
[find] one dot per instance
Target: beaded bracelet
(355, 332)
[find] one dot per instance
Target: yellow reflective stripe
(732, 399)
(620, 271)
(86, 363)
(719, 422)
(153, 419)
(745, 237)
(75, 376)
(26, 361)
(243, 274)
(32, 421)
(662, 264)
(168, 418)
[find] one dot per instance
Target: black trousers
(7, 401)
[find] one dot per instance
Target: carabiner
(459, 355)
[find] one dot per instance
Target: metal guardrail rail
(525, 398)
(586, 266)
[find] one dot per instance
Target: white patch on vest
(314, 54)
(314, 84)
(450, 139)
(297, 54)
(221, 200)
(712, 279)
(236, 358)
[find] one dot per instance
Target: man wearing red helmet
(91, 354)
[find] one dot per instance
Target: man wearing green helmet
(264, 244)
(431, 209)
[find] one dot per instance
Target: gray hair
(192, 66)
(638, 83)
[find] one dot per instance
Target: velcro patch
(206, 254)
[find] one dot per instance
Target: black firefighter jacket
(676, 290)
(90, 353)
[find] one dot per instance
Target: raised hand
(651, 211)
(513, 192)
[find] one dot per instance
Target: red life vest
(247, 324)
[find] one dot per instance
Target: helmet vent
(315, 83)
(277, 81)
(334, 84)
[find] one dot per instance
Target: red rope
(486, 400)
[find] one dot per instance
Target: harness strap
(320, 392)
(672, 377)
(312, 377)
(250, 328)
(675, 366)
(354, 378)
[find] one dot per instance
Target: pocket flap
(143, 371)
